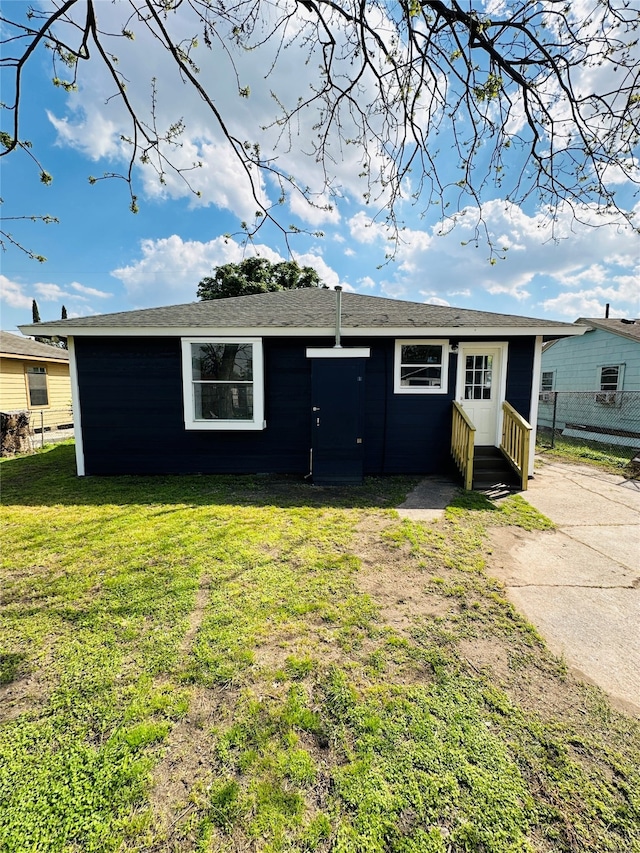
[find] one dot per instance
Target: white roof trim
(311, 332)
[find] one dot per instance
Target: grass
(220, 664)
(612, 458)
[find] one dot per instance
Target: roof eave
(30, 357)
(311, 331)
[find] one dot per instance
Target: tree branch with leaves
(440, 104)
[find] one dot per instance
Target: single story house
(590, 385)
(310, 382)
(35, 377)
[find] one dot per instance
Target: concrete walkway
(580, 584)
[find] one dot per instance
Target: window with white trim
(547, 380)
(37, 385)
(609, 383)
(610, 377)
(421, 367)
(223, 383)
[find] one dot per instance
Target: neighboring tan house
(597, 377)
(35, 377)
(300, 382)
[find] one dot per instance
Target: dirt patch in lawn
(394, 577)
(189, 754)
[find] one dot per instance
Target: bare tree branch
(394, 81)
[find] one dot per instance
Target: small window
(610, 378)
(478, 377)
(222, 381)
(546, 383)
(421, 367)
(37, 385)
(609, 383)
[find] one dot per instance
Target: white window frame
(550, 373)
(190, 422)
(398, 388)
(37, 370)
(610, 397)
(619, 383)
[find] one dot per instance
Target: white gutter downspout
(337, 344)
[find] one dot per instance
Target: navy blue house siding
(132, 411)
(520, 375)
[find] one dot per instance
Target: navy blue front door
(337, 420)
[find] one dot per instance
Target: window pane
(421, 354)
(547, 381)
(429, 377)
(37, 380)
(225, 401)
(609, 378)
(478, 377)
(225, 362)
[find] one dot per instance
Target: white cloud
(323, 211)
(12, 293)
(328, 275)
(89, 291)
(584, 257)
(89, 131)
(171, 268)
(75, 297)
(432, 299)
(50, 292)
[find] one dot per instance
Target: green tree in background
(256, 275)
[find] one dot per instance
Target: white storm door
(480, 388)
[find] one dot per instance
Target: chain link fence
(24, 430)
(605, 422)
(47, 426)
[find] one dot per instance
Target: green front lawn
(227, 664)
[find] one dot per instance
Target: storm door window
(223, 384)
(478, 377)
(37, 385)
(421, 367)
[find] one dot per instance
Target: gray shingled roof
(626, 328)
(11, 345)
(303, 308)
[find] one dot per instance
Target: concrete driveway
(580, 584)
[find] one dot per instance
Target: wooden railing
(516, 442)
(462, 442)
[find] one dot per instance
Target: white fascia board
(77, 411)
(309, 332)
(43, 358)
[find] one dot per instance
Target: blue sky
(102, 258)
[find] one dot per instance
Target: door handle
(317, 421)
(315, 408)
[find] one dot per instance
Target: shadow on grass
(48, 478)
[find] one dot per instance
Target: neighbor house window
(610, 378)
(37, 385)
(421, 367)
(609, 383)
(223, 383)
(546, 383)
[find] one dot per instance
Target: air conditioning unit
(607, 398)
(545, 396)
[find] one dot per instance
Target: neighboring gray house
(601, 369)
